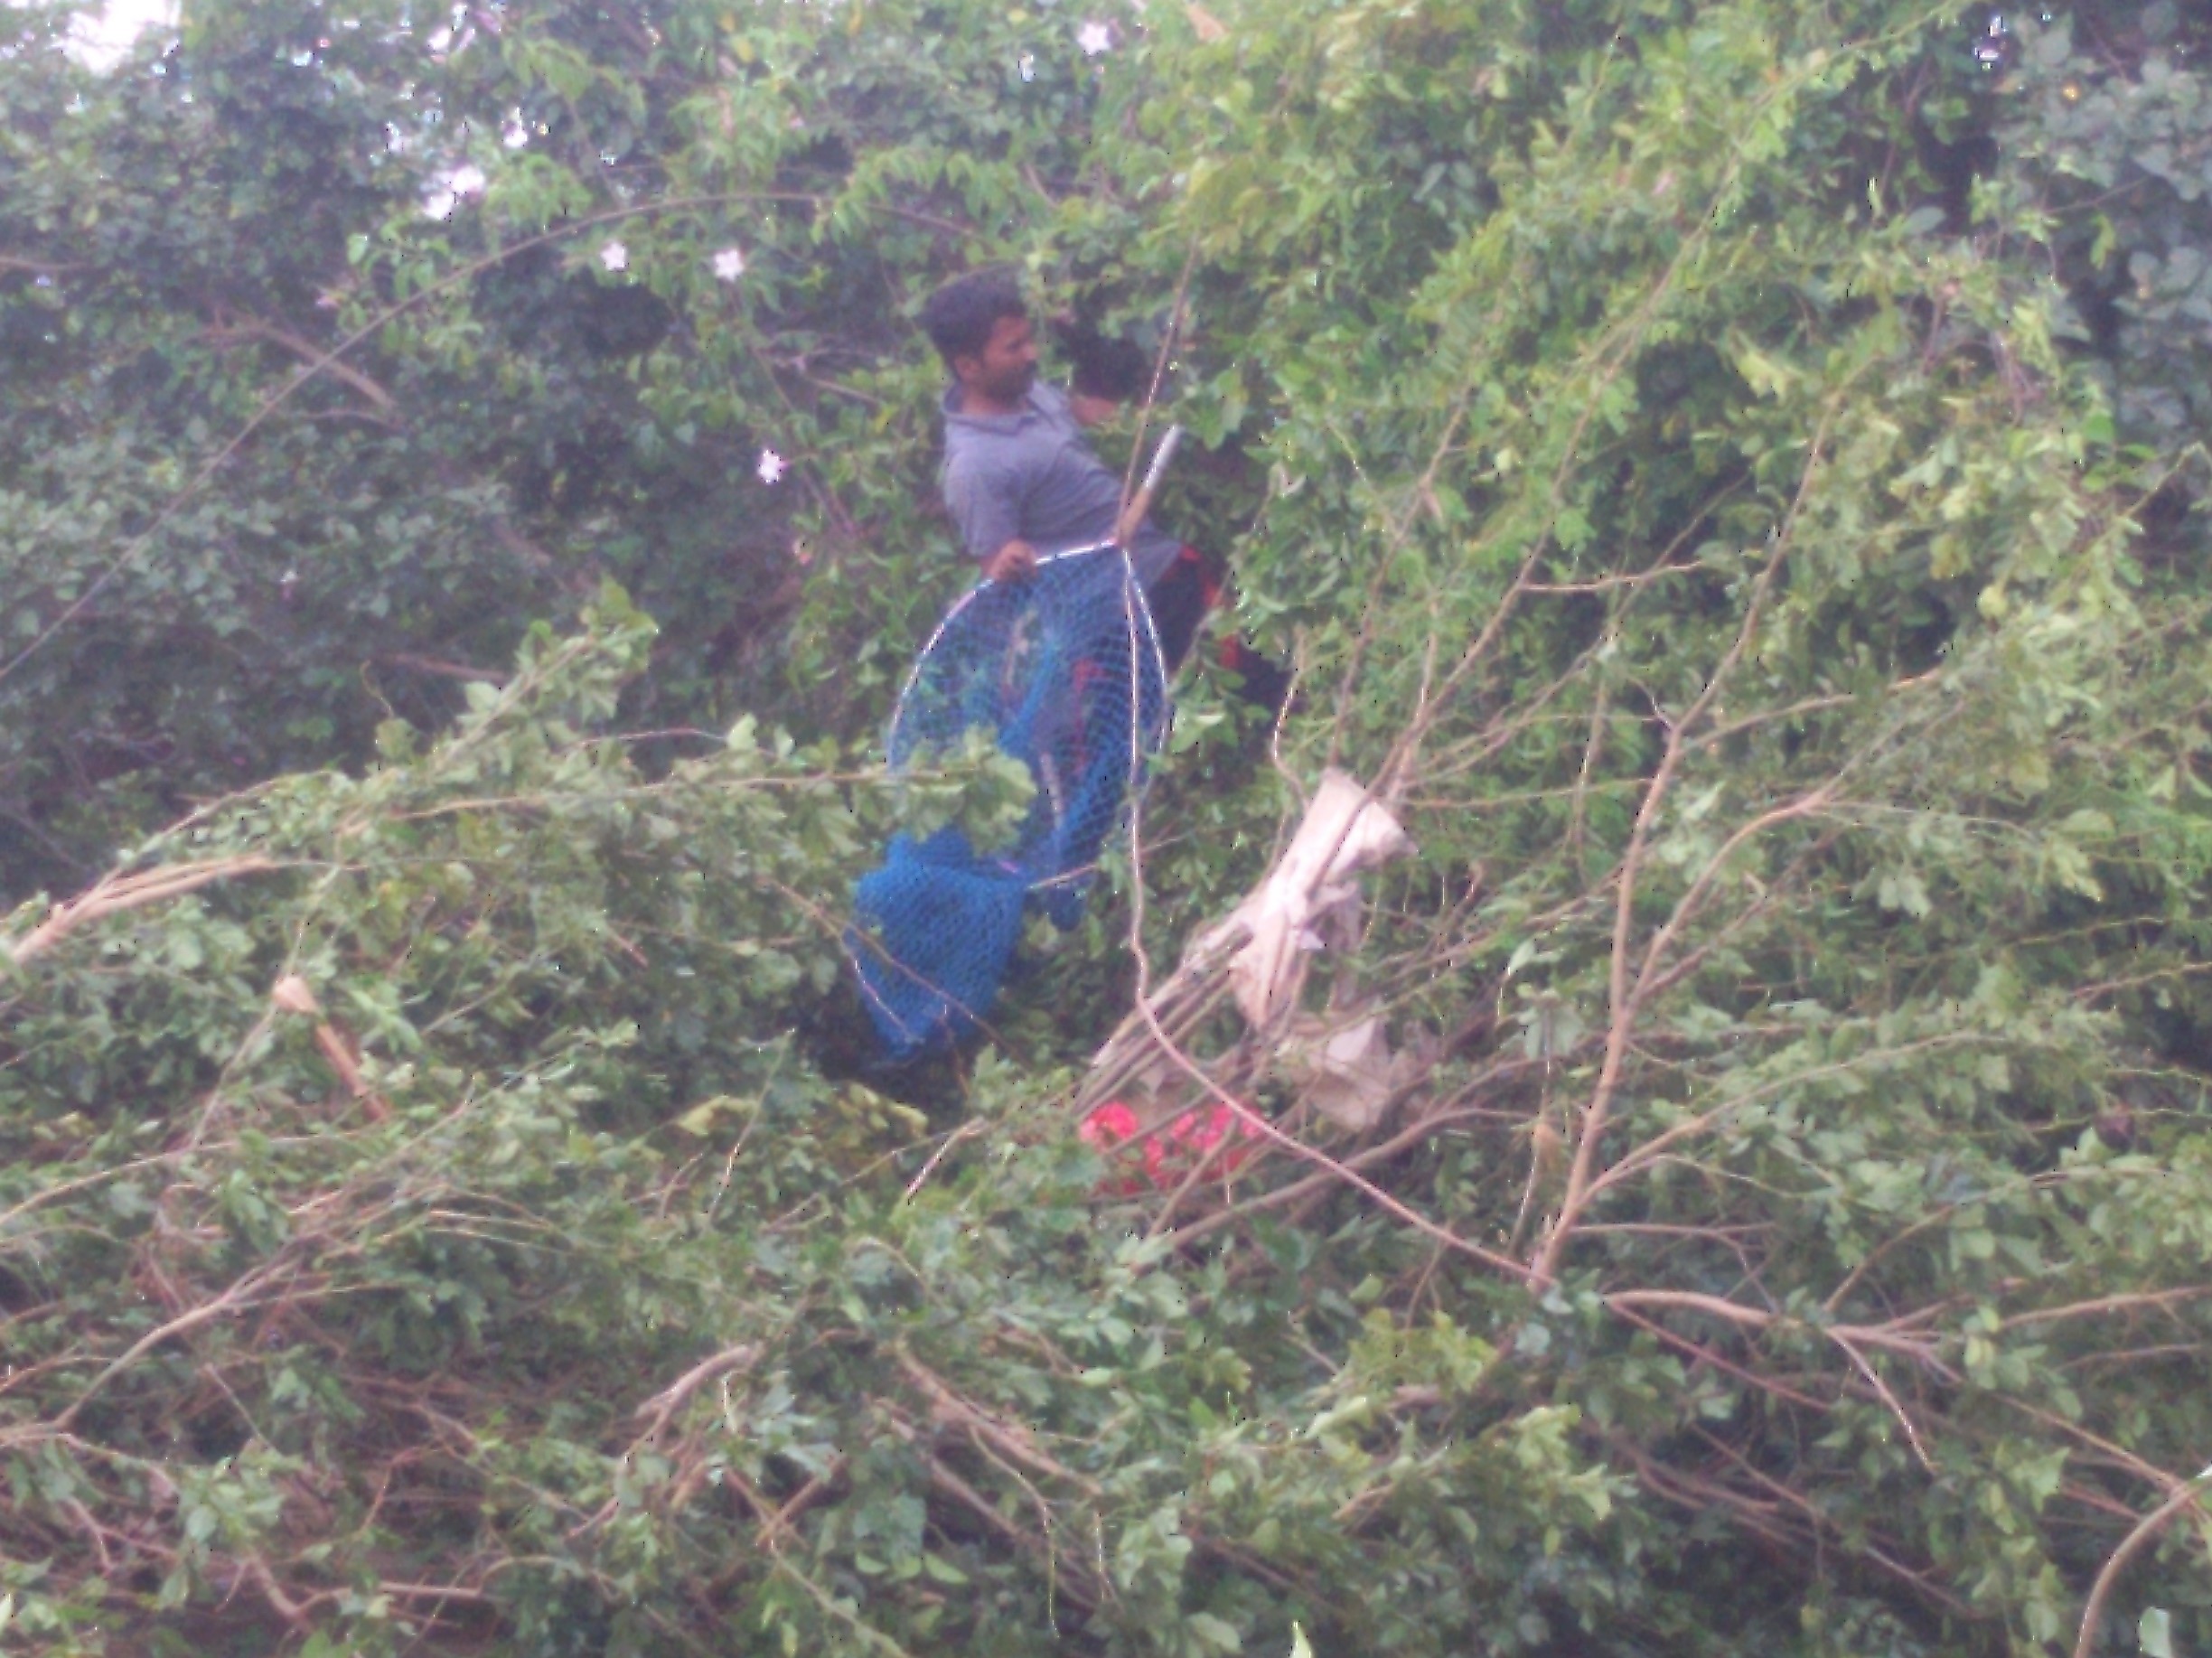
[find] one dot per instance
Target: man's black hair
(959, 316)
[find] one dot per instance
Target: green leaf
(1216, 1633)
(942, 1569)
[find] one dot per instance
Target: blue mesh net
(1063, 673)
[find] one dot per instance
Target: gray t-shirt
(1031, 476)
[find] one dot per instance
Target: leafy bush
(1663, 437)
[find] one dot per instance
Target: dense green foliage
(1727, 475)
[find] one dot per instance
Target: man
(1019, 478)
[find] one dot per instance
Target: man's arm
(986, 507)
(1091, 409)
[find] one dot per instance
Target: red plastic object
(1171, 1152)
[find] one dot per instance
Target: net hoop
(963, 628)
(953, 612)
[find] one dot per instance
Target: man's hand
(1017, 561)
(1091, 411)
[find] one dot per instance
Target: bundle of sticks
(1257, 958)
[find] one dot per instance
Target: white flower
(770, 466)
(458, 185)
(1094, 38)
(1026, 64)
(728, 265)
(614, 256)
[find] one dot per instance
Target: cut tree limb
(115, 893)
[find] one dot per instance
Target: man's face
(1007, 367)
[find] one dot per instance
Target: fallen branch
(439, 669)
(2132, 1544)
(307, 352)
(1011, 1438)
(663, 1406)
(115, 893)
(244, 1294)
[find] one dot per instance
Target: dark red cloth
(1180, 597)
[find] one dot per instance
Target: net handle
(1142, 504)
